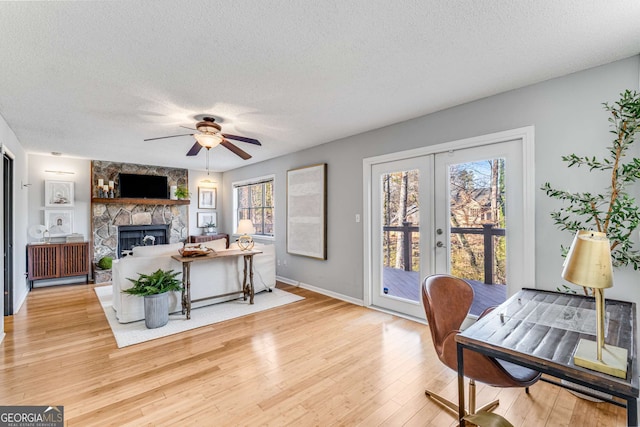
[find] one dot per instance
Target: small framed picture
(58, 193)
(207, 197)
(207, 219)
(58, 222)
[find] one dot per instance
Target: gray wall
(197, 177)
(567, 115)
(81, 177)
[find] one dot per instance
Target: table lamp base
(614, 359)
(245, 243)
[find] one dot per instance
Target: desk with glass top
(541, 329)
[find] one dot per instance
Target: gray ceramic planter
(156, 310)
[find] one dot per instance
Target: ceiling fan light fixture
(208, 140)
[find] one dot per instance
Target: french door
(401, 195)
(461, 211)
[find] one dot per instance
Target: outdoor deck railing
(487, 230)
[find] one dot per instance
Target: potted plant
(210, 228)
(182, 192)
(613, 211)
(155, 288)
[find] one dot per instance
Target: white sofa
(208, 278)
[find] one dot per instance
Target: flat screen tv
(143, 186)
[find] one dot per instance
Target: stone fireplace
(109, 215)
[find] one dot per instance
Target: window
(254, 200)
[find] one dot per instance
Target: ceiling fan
(210, 136)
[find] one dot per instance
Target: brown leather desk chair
(446, 300)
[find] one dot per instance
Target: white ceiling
(94, 79)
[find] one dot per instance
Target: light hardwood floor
(317, 362)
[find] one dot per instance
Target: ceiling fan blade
(195, 149)
(229, 146)
(172, 136)
(242, 138)
(187, 127)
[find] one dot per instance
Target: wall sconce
(207, 183)
(60, 172)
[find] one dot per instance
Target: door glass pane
(477, 229)
(400, 235)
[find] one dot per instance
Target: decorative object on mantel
(612, 212)
(155, 288)
(182, 192)
(245, 227)
(106, 191)
(588, 264)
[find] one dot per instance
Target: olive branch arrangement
(612, 212)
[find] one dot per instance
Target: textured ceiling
(94, 79)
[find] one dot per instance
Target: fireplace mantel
(129, 201)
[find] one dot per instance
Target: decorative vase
(156, 310)
(172, 192)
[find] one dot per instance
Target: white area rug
(136, 332)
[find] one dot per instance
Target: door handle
(440, 244)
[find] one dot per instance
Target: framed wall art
(58, 193)
(207, 218)
(207, 197)
(58, 222)
(307, 211)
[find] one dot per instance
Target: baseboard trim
(321, 291)
(347, 299)
(397, 314)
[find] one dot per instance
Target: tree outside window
(254, 201)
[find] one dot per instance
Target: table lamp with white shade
(245, 228)
(588, 264)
